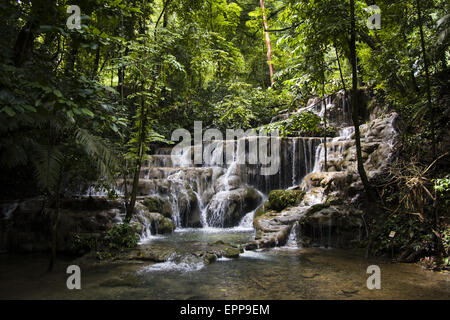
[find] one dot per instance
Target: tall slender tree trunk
(427, 75)
(96, 62)
(54, 223)
(325, 121)
(438, 241)
(325, 137)
(355, 107)
(268, 43)
(137, 170)
(166, 15)
(71, 58)
(24, 44)
(340, 71)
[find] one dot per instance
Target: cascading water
(225, 190)
(336, 148)
(292, 241)
(220, 194)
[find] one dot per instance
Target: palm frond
(47, 160)
(98, 150)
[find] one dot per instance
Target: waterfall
(292, 241)
(294, 164)
(344, 115)
(336, 148)
(305, 157)
(223, 194)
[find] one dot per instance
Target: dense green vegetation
(83, 105)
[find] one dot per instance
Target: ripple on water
(172, 266)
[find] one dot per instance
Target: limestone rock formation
(328, 214)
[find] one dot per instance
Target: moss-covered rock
(332, 200)
(281, 199)
(231, 252)
(262, 209)
(209, 258)
(165, 225)
(157, 204)
(317, 207)
(157, 222)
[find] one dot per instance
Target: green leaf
(87, 112)
(9, 111)
(29, 108)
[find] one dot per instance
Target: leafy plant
(121, 236)
(299, 124)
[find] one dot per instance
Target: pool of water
(280, 273)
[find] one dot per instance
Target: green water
(282, 273)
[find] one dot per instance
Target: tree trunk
(325, 122)
(325, 137)
(340, 71)
(24, 44)
(96, 62)
(71, 58)
(354, 101)
(427, 74)
(137, 172)
(54, 224)
(268, 43)
(132, 203)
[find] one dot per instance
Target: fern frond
(97, 150)
(47, 160)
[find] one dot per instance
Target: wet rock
(281, 199)
(230, 252)
(222, 249)
(157, 223)
(191, 252)
(145, 254)
(27, 228)
(210, 258)
(158, 204)
(227, 208)
(331, 226)
(251, 246)
(273, 227)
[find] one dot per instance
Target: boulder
(155, 222)
(158, 204)
(281, 199)
(326, 225)
(227, 208)
(273, 227)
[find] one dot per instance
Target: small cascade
(336, 148)
(176, 263)
(294, 158)
(247, 221)
(292, 241)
